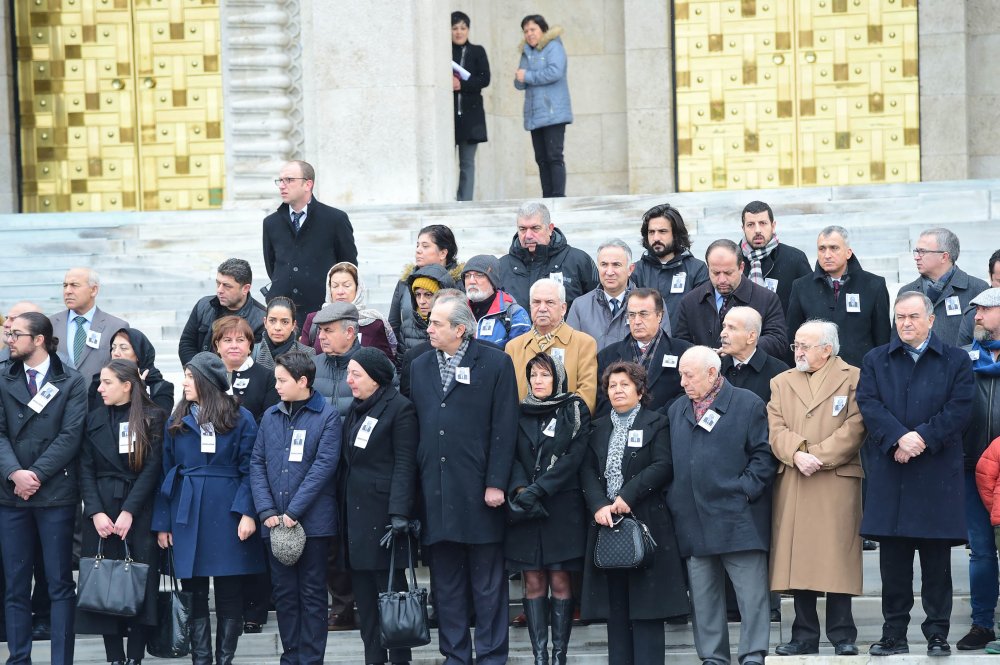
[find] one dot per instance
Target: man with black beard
(668, 265)
(498, 316)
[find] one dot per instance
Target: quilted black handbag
(111, 586)
(627, 544)
(402, 615)
(171, 638)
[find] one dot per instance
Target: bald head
(740, 332)
(80, 287)
(699, 368)
(17, 309)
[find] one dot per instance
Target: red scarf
(705, 403)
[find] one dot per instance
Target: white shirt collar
(42, 368)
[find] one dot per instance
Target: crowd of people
(504, 412)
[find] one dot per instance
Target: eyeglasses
(920, 252)
(14, 335)
(804, 347)
(632, 316)
(285, 181)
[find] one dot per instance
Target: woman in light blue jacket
(547, 110)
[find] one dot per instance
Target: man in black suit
(745, 365)
(303, 239)
(769, 263)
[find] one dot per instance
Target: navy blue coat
(203, 497)
(933, 397)
(720, 496)
(305, 491)
(467, 440)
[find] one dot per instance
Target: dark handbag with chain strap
(111, 586)
(171, 638)
(627, 544)
(402, 615)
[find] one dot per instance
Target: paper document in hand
(462, 72)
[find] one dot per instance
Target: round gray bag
(287, 543)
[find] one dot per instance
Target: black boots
(562, 623)
(536, 613)
(201, 641)
(226, 639)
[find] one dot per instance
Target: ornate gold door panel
(775, 93)
(120, 104)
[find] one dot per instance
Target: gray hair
(620, 244)
(534, 209)
(461, 315)
(946, 241)
(546, 281)
(93, 279)
(704, 356)
(909, 295)
(840, 230)
(750, 318)
(829, 334)
(447, 294)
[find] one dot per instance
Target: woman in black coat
(378, 476)
(546, 537)
(625, 469)
(470, 118)
(132, 344)
(119, 473)
(252, 383)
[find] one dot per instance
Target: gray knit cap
(212, 368)
(486, 264)
(287, 543)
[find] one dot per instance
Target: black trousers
(257, 593)
(228, 596)
(630, 642)
(896, 564)
(338, 579)
(300, 600)
(138, 635)
(460, 571)
(840, 626)
(548, 145)
(367, 586)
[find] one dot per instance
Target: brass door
(120, 104)
(777, 93)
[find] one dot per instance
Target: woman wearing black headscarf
(132, 344)
(546, 538)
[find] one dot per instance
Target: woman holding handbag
(205, 508)
(119, 474)
(625, 470)
(378, 487)
(546, 537)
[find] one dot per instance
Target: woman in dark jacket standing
(378, 487)
(205, 508)
(252, 384)
(547, 537)
(120, 466)
(626, 467)
(132, 344)
(292, 469)
(470, 118)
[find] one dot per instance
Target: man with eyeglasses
(303, 239)
(17, 309)
(949, 287)
(648, 343)
(841, 291)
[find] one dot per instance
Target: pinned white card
(952, 306)
(123, 439)
(298, 447)
(669, 361)
(558, 354)
(94, 339)
(463, 375)
(208, 438)
(556, 276)
(240, 384)
(854, 302)
(839, 402)
(973, 354)
(708, 420)
(361, 440)
(550, 429)
(771, 284)
(635, 438)
(42, 398)
(486, 327)
(678, 282)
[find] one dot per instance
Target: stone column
(8, 127)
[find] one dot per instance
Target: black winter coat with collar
(519, 269)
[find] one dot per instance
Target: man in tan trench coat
(816, 432)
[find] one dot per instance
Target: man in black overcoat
(769, 263)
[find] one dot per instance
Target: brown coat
(816, 520)
(580, 360)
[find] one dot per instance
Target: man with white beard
(498, 316)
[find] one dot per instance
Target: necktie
(724, 309)
(79, 339)
(296, 221)
(32, 385)
(615, 306)
(836, 289)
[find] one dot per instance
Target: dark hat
(287, 543)
(336, 311)
(375, 364)
(487, 264)
(212, 368)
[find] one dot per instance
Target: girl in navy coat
(291, 472)
(205, 508)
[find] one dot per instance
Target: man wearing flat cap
(498, 316)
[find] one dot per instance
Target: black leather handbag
(627, 544)
(111, 586)
(171, 638)
(402, 615)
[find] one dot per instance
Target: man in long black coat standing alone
(465, 395)
(303, 239)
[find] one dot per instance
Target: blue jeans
(984, 572)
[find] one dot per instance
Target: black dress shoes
(889, 646)
(846, 649)
(795, 648)
(938, 646)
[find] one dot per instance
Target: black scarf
(278, 349)
(359, 407)
(561, 405)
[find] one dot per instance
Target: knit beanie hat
(287, 543)
(425, 283)
(375, 364)
(212, 368)
(486, 264)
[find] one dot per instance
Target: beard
(802, 365)
(981, 334)
(475, 294)
(660, 250)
